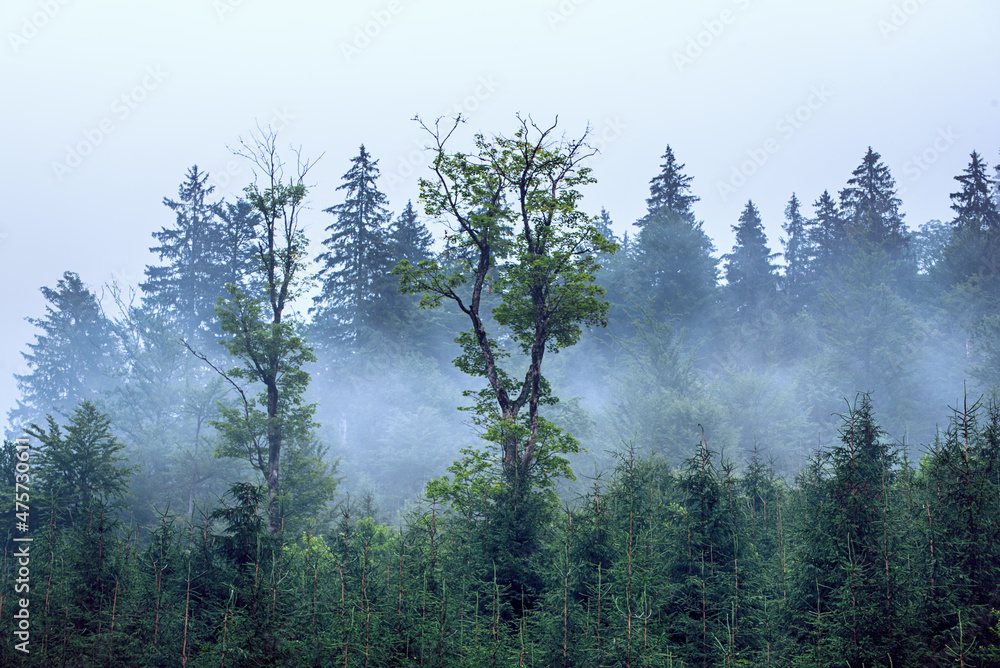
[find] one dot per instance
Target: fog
(109, 106)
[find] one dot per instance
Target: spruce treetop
(871, 208)
(974, 204)
(670, 189)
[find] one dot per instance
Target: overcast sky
(106, 104)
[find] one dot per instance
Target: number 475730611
(21, 480)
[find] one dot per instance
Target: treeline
(754, 349)
(868, 559)
(210, 443)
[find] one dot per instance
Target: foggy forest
(482, 428)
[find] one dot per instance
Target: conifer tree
(975, 205)
(673, 268)
(828, 236)
(358, 258)
(972, 257)
(235, 249)
(399, 316)
(871, 209)
(73, 359)
(85, 467)
(209, 246)
(798, 281)
(616, 277)
(849, 561)
(751, 277)
(670, 189)
(409, 237)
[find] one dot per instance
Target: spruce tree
(74, 358)
(673, 269)
(828, 236)
(400, 315)
(960, 484)
(972, 257)
(357, 259)
(847, 582)
(871, 209)
(798, 281)
(670, 189)
(234, 248)
(409, 238)
(84, 468)
(975, 205)
(751, 277)
(188, 284)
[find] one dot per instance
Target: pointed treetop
(974, 204)
(870, 205)
(410, 239)
(670, 189)
(750, 272)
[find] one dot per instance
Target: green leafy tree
(520, 235)
(259, 336)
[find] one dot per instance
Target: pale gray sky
(106, 104)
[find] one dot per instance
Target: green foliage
(521, 236)
(73, 359)
(354, 270)
(209, 246)
(751, 278)
(275, 355)
(83, 467)
(871, 335)
(871, 210)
